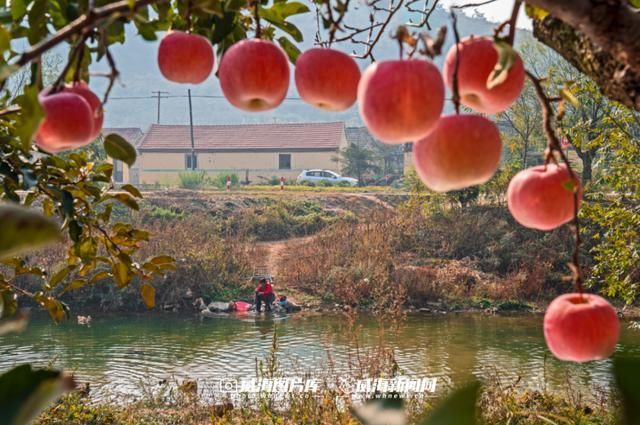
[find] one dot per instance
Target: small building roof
(244, 137)
(360, 136)
(130, 134)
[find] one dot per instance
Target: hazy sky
(498, 11)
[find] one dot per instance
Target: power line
(217, 97)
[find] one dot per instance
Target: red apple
(581, 327)
(401, 100)
(327, 79)
(254, 75)
(541, 197)
(185, 58)
(462, 151)
(68, 122)
(478, 57)
(81, 88)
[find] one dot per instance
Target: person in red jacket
(264, 292)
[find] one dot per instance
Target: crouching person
(286, 305)
(264, 293)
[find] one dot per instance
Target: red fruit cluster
(73, 118)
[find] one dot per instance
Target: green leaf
(59, 276)
(8, 303)
(127, 200)
(635, 3)
(99, 276)
(162, 259)
(31, 114)
(459, 408)
(148, 293)
(132, 190)
(627, 373)
(75, 284)
(22, 229)
(506, 59)
(121, 274)
(56, 309)
(290, 49)
(19, 9)
(118, 148)
(25, 393)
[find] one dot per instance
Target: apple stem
(188, 17)
(554, 145)
(456, 91)
(256, 17)
(76, 57)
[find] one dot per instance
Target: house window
(284, 161)
(187, 161)
(118, 174)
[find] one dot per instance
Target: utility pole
(193, 147)
(159, 95)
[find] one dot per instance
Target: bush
(220, 180)
(192, 179)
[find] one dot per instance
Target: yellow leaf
(535, 12)
(148, 293)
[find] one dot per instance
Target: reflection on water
(119, 353)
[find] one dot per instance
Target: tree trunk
(616, 79)
(587, 169)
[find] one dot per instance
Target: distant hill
(136, 60)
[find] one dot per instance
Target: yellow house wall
(163, 167)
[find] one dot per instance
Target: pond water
(121, 355)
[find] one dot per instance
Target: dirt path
(269, 260)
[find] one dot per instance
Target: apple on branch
(542, 197)
(477, 59)
(254, 75)
(463, 150)
(401, 100)
(581, 327)
(185, 57)
(327, 79)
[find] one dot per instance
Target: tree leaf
(60, 276)
(132, 190)
(121, 274)
(22, 229)
(566, 94)
(8, 303)
(506, 58)
(118, 148)
(537, 13)
(148, 293)
(290, 49)
(627, 373)
(25, 393)
(459, 408)
(31, 114)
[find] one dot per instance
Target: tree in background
(358, 161)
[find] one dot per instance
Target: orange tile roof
(130, 134)
(307, 136)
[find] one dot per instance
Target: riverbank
(378, 251)
(500, 403)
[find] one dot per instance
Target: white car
(317, 176)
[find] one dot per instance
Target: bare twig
(456, 89)
(82, 23)
(425, 12)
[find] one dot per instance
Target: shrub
(220, 180)
(192, 179)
